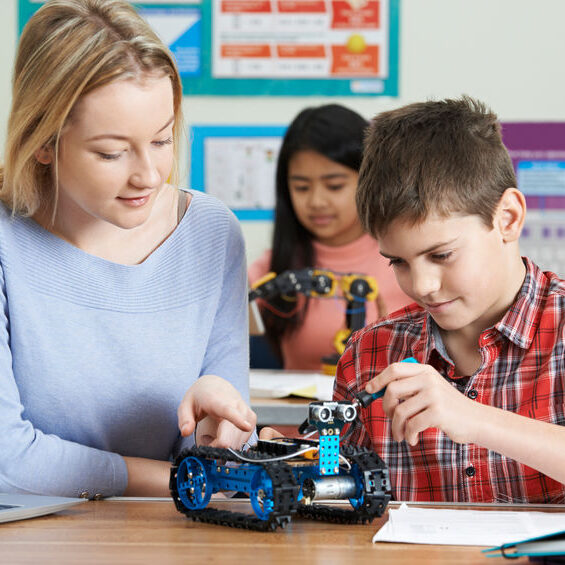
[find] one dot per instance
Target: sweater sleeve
(227, 351)
(35, 462)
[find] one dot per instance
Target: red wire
(279, 313)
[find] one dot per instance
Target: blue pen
(364, 398)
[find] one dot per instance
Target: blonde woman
(123, 297)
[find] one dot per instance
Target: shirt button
(472, 394)
(470, 471)
(84, 494)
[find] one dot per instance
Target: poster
(537, 151)
(180, 28)
(177, 22)
(237, 164)
(326, 47)
(308, 39)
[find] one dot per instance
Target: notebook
(549, 545)
(22, 506)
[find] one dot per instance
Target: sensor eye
(322, 414)
(347, 413)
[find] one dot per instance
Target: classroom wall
(509, 53)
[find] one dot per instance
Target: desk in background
(125, 531)
(286, 412)
(290, 411)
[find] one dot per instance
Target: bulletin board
(237, 164)
(537, 151)
(276, 47)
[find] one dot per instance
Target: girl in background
(316, 225)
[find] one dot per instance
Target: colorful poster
(537, 151)
(306, 47)
(308, 39)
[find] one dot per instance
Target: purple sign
(537, 150)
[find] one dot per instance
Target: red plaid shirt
(523, 370)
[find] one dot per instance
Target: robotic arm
(355, 288)
(310, 282)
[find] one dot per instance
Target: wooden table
(152, 531)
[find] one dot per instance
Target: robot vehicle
(284, 476)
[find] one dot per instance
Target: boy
(476, 419)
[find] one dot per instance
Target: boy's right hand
(417, 397)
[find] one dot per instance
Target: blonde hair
(67, 49)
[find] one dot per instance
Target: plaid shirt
(523, 370)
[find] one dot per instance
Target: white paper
(278, 384)
(241, 171)
(466, 527)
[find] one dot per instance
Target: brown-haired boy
(480, 418)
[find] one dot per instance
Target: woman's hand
(223, 417)
(219, 433)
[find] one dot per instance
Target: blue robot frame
(286, 476)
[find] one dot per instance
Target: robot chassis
(283, 477)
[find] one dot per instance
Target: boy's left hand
(417, 397)
(267, 433)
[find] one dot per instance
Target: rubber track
(374, 503)
(285, 492)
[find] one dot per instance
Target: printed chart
(538, 154)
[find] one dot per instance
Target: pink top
(303, 349)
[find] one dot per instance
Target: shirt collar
(430, 338)
(521, 321)
(430, 341)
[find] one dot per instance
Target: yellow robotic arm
(355, 288)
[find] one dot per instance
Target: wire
(283, 438)
(281, 458)
(280, 313)
(349, 430)
(284, 457)
(355, 310)
(347, 463)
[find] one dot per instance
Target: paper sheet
(466, 527)
(278, 384)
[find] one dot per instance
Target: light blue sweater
(96, 356)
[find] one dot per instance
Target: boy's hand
(417, 397)
(229, 421)
(269, 433)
